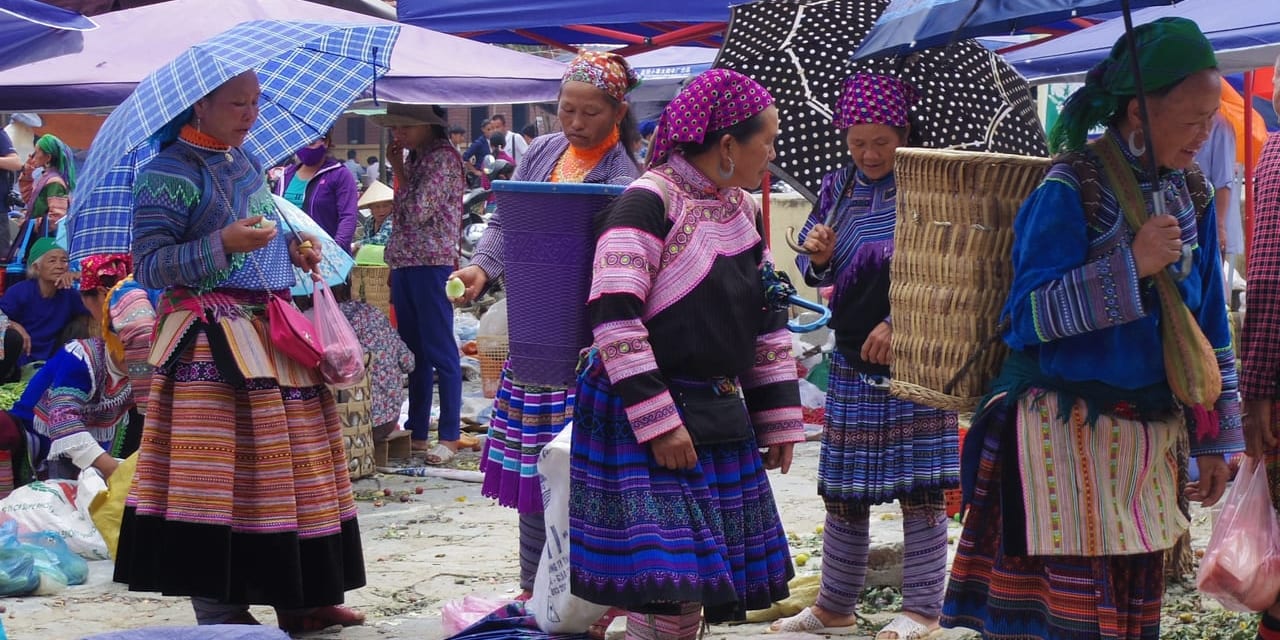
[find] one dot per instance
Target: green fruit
(454, 288)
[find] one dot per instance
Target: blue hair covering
(169, 132)
(647, 127)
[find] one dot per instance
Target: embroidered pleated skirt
(525, 419)
(241, 492)
(1064, 540)
(645, 538)
(877, 448)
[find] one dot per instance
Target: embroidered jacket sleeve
(1259, 349)
(1058, 292)
(824, 277)
(628, 253)
(166, 196)
(1212, 317)
(60, 413)
(770, 387)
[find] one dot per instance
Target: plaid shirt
(1259, 351)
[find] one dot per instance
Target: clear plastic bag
(457, 615)
(1241, 566)
(342, 356)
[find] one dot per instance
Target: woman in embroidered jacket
(422, 249)
(690, 376)
(875, 448)
(594, 118)
(1071, 466)
(47, 198)
(241, 494)
(78, 409)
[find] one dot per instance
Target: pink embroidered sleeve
(775, 411)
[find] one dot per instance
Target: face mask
(312, 155)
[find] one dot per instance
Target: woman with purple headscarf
(690, 376)
(875, 448)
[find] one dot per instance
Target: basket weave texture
(952, 270)
(354, 406)
(369, 285)
(492, 354)
(548, 246)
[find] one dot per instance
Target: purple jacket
(331, 200)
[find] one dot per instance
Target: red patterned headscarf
(873, 99)
(713, 101)
(608, 72)
(93, 268)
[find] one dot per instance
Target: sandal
(319, 619)
(439, 455)
(904, 627)
(805, 622)
(468, 441)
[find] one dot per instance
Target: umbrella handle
(791, 232)
(806, 327)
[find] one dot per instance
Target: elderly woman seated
(36, 313)
(77, 410)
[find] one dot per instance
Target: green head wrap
(1169, 50)
(60, 157)
(41, 247)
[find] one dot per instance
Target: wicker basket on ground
(354, 411)
(952, 270)
(369, 285)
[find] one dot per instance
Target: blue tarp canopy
(563, 23)
(1245, 33)
(31, 30)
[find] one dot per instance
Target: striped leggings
(846, 540)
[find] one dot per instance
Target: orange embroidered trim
(576, 163)
(201, 139)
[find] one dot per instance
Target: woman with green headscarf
(51, 191)
(1121, 362)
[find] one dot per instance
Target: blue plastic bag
(74, 569)
(18, 575)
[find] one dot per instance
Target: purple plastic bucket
(548, 245)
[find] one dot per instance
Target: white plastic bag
(51, 506)
(552, 605)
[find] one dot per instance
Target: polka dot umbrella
(800, 50)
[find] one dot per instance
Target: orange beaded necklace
(576, 163)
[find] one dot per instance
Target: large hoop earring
(1134, 147)
(725, 175)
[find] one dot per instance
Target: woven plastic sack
(107, 508)
(1241, 566)
(342, 358)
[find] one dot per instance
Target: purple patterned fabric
(715, 100)
(873, 99)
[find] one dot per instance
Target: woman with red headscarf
(690, 376)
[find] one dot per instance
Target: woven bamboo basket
(354, 406)
(952, 270)
(369, 285)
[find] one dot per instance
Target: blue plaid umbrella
(309, 73)
(912, 25)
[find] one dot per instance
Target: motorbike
(475, 218)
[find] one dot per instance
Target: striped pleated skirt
(645, 538)
(877, 448)
(525, 419)
(241, 492)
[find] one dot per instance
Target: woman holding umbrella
(241, 494)
(875, 448)
(1121, 358)
(592, 148)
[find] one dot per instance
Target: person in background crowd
(875, 448)
(529, 132)
(458, 138)
(422, 251)
(1217, 159)
(353, 165)
(319, 186)
(376, 229)
(591, 148)
(516, 144)
(78, 409)
(48, 195)
(242, 458)
(1071, 465)
(688, 394)
(372, 171)
(647, 128)
(390, 360)
(498, 143)
(10, 164)
(1259, 357)
(479, 150)
(37, 310)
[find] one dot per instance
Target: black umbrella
(800, 50)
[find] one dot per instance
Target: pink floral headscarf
(713, 101)
(608, 72)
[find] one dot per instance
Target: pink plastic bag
(457, 615)
(1241, 567)
(342, 358)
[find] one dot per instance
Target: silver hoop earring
(725, 175)
(1134, 147)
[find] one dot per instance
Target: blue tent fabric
(1245, 37)
(31, 30)
(497, 22)
(207, 632)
